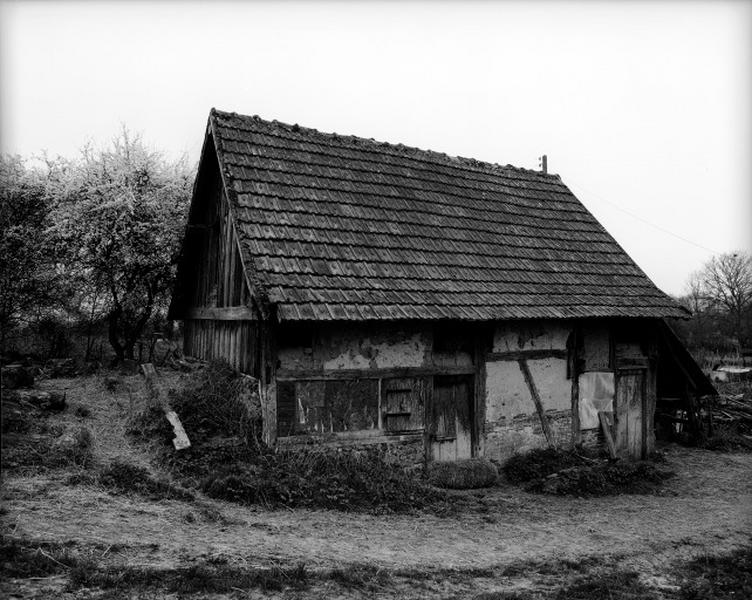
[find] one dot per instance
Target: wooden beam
(312, 374)
(536, 398)
(479, 414)
(526, 354)
(355, 438)
(632, 362)
(574, 372)
(180, 441)
(228, 313)
(606, 428)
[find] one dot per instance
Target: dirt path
(711, 512)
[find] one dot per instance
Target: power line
(641, 219)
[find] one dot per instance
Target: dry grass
(109, 412)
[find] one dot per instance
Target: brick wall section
(592, 438)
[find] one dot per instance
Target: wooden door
(629, 411)
(451, 425)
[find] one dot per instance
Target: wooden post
(694, 426)
(538, 404)
(606, 428)
(651, 384)
(480, 392)
(267, 376)
(574, 371)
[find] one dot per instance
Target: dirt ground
(705, 509)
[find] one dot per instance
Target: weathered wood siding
(383, 383)
(217, 308)
(234, 341)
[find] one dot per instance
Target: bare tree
(726, 282)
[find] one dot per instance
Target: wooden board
(451, 425)
(403, 403)
(606, 427)
(628, 413)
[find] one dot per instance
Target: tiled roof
(339, 227)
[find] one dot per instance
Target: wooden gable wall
(216, 303)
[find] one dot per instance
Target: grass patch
(565, 473)
(504, 596)
(82, 412)
(124, 477)
(553, 567)
(198, 578)
(723, 577)
(614, 585)
(23, 559)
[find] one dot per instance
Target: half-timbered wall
(487, 390)
(547, 382)
(528, 388)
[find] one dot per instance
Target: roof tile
(345, 228)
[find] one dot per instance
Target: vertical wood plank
(220, 282)
(231, 249)
(634, 426)
(621, 411)
(226, 255)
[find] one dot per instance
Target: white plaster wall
(295, 358)
(507, 393)
(531, 335)
(374, 348)
(550, 377)
(410, 352)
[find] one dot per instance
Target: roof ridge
(399, 147)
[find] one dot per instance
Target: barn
(443, 307)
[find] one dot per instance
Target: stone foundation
(523, 433)
(406, 450)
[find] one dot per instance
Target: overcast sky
(644, 109)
